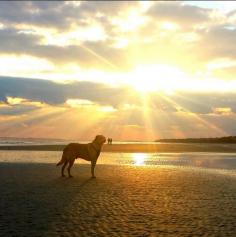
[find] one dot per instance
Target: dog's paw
(70, 176)
(93, 177)
(63, 176)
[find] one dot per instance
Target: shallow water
(226, 161)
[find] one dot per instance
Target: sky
(127, 70)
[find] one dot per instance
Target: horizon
(133, 71)
(156, 140)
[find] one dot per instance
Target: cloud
(225, 123)
(11, 41)
(19, 36)
(218, 42)
(102, 53)
(204, 103)
(50, 92)
(224, 110)
(178, 12)
(178, 115)
(16, 109)
(57, 14)
(44, 14)
(88, 54)
(117, 36)
(58, 94)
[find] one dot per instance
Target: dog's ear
(96, 139)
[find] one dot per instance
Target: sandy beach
(121, 201)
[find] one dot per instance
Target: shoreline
(135, 148)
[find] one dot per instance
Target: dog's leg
(62, 168)
(93, 164)
(71, 162)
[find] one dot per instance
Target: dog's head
(100, 140)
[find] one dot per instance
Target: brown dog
(89, 152)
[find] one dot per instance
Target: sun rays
(146, 117)
(152, 115)
(156, 118)
(194, 117)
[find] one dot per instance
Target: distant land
(229, 139)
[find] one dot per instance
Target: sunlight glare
(139, 158)
(159, 77)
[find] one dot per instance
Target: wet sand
(122, 201)
(159, 147)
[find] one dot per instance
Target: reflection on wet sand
(139, 158)
(205, 160)
(213, 160)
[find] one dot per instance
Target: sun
(157, 77)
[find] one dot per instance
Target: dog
(89, 152)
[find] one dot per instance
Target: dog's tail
(62, 161)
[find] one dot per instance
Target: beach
(140, 94)
(124, 200)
